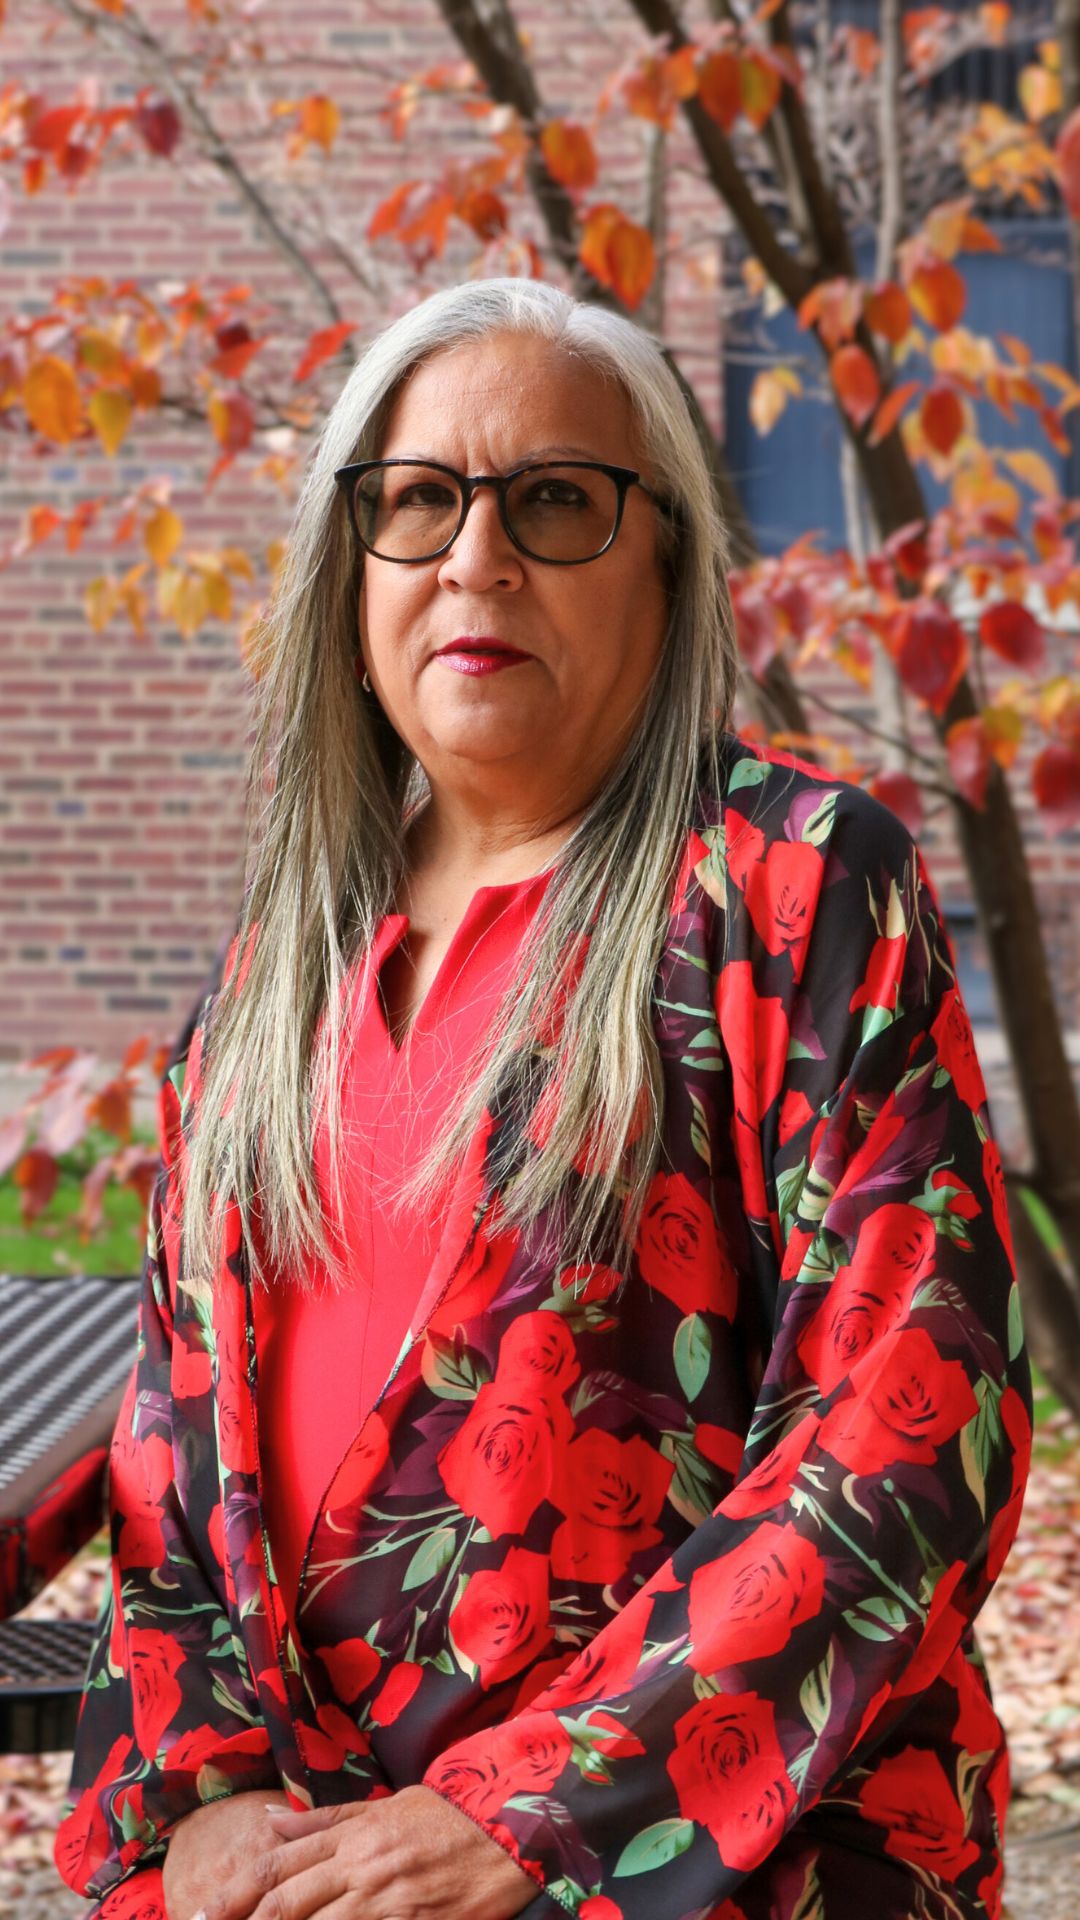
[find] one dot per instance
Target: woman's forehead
(486, 392)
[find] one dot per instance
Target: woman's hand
(209, 1847)
(410, 1852)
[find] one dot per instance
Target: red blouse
(334, 1348)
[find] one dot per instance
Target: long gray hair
(331, 789)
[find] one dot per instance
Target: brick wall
(121, 758)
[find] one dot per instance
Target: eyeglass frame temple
(624, 478)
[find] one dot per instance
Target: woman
(568, 1481)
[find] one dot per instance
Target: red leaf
(887, 310)
(159, 125)
(720, 88)
(856, 381)
(942, 417)
(321, 346)
(900, 792)
(1010, 629)
(938, 293)
(1055, 781)
(931, 652)
(36, 1173)
(907, 549)
(968, 751)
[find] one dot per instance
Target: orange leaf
(569, 154)
(236, 346)
(937, 292)
(856, 381)
(864, 51)
(633, 262)
(321, 346)
(890, 410)
(1019, 349)
(483, 211)
(51, 130)
(1067, 155)
(600, 224)
(887, 310)
(319, 120)
(833, 307)
(760, 86)
(387, 215)
(994, 17)
(977, 237)
(942, 418)
(1040, 92)
(162, 534)
(720, 88)
(648, 94)
(40, 522)
(52, 399)
(232, 419)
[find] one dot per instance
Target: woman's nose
(483, 552)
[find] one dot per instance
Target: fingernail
(201, 1915)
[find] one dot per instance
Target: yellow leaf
(162, 534)
(1035, 471)
(99, 600)
(182, 598)
(235, 560)
(97, 351)
(52, 399)
(769, 396)
(110, 413)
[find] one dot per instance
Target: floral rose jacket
(665, 1578)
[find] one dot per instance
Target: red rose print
(599, 1907)
(746, 1604)
(730, 1776)
(781, 892)
(883, 973)
(155, 1661)
(190, 1371)
(352, 1666)
(502, 1462)
(594, 1282)
(894, 1252)
(617, 1488)
(502, 1620)
(362, 1464)
(994, 1175)
(470, 1776)
(236, 1432)
(397, 1690)
(335, 1722)
(956, 1050)
(537, 1351)
(794, 1113)
(189, 1751)
(755, 1032)
(906, 1401)
(771, 1481)
(82, 1841)
(530, 1752)
(911, 1795)
(745, 845)
(605, 1666)
(681, 1252)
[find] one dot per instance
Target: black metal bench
(67, 1346)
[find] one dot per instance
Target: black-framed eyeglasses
(563, 512)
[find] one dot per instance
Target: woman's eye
(424, 494)
(556, 493)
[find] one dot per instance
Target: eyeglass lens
(557, 512)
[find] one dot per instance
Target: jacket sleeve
(169, 1718)
(884, 1463)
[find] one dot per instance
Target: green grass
(51, 1243)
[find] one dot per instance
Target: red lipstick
(480, 653)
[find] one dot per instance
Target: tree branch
(129, 31)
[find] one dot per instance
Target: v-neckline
(396, 929)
